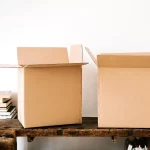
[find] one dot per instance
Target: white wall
(102, 25)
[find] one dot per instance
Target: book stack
(7, 110)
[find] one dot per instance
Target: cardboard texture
(49, 87)
(42, 55)
(53, 95)
(123, 99)
(56, 99)
(123, 90)
(123, 61)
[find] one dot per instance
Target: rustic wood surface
(10, 124)
(7, 144)
(87, 128)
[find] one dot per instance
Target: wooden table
(10, 129)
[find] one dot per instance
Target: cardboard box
(49, 86)
(123, 90)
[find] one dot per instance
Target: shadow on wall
(89, 89)
(14, 98)
(89, 80)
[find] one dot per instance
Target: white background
(101, 25)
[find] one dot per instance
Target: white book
(9, 112)
(5, 104)
(9, 116)
(3, 100)
(5, 109)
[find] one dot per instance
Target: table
(10, 129)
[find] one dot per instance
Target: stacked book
(7, 110)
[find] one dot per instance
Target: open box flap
(123, 61)
(42, 65)
(54, 65)
(42, 55)
(47, 57)
(76, 54)
(128, 53)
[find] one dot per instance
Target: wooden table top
(89, 128)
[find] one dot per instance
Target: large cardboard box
(49, 86)
(123, 90)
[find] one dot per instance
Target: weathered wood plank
(141, 132)
(36, 132)
(10, 124)
(8, 133)
(76, 132)
(88, 128)
(8, 144)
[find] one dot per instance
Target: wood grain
(89, 128)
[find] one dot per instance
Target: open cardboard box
(49, 86)
(123, 90)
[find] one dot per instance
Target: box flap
(129, 53)
(76, 54)
(55, 65)
(42, 55)
(91, 55)
(124, 61)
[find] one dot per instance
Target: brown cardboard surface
(129, 53)
(49, 87)
(42, 55)
(123, 61)
(76, 54)
(51, 96)
(123, 97)
(123, 90)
